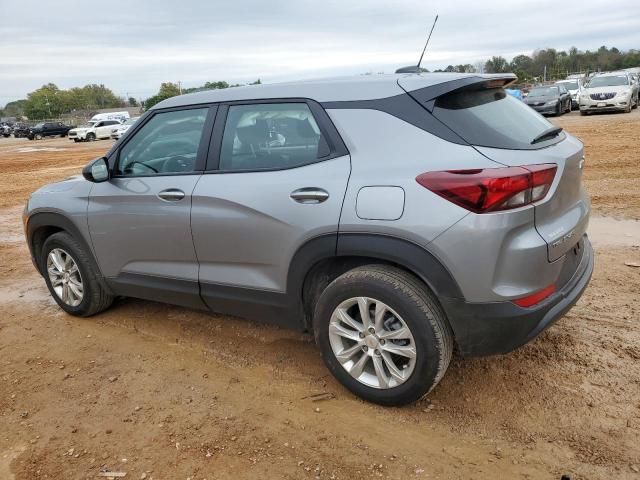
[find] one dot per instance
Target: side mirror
(97, 170)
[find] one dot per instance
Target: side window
(48, 126)
(167, 143)
(271, 136)
(99, 124)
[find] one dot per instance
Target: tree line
(49, 101)
(552, 64)
(168, 90)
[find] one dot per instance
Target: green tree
(132, 102)
(167, 90)
(496, 65)
(45, 102)
(13, 109)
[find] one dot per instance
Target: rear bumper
(493, 328)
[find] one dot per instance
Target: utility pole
(180, 87)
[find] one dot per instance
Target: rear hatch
(508, 132)
(561, 218)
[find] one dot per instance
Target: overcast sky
(133, 46)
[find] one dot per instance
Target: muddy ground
(167, 393)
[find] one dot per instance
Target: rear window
(491, 118)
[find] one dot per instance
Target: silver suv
(395, 217)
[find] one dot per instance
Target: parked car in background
(48, 129)
(5, 130)
(117, 132)
(395, 217)
(20, 130)
(94, 130)
(609, 92)
(573, 87)
(553, 99)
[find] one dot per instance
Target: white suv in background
(94, 130)
(607, 92)
(117, 132)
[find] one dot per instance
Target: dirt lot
(167, 393)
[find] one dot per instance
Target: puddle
(39, 149)
(612, 232)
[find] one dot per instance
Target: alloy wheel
(372, 342)
(65, 277)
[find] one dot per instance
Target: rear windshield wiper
(547, 134)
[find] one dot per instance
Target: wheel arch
(42, 225)
(322, 259)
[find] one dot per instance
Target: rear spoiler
(426, 96)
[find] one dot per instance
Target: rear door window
(271, 136)
(492, 118)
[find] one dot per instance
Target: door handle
(171, 195)
(309, 195)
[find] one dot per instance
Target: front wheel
(71, 277)
(90, 137)
(38, 136)
(382, 334)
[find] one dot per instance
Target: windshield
(544, 92)
(573, 85)
(491, 118)
(131, 121)
(609, 81)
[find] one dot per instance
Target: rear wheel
(71, 278)
(382, 334)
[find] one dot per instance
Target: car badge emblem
(602, 95)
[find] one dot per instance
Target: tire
(635, 105)
(76, 140)
(94, 296)
(406, 298)
(568, 110)
(90, 137)
(628, 109)
(38, 136)
(583, 113)
(559, 110)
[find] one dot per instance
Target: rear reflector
(536, 298)
(491, 189)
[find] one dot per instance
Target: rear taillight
(491, 189)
